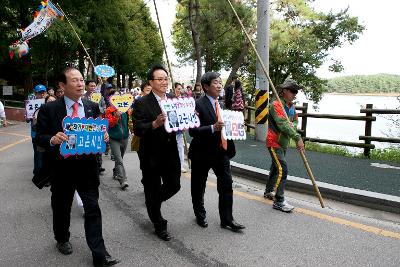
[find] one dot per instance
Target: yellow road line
(16, 134)
(336, 220)
(14, 144)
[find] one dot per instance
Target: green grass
(389, 154)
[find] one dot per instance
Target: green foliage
(300, 40)
(221, 37)
(387, 154)
(379, 83)
(120, 33)
(391, 154)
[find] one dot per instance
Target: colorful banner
(122, 102)
(104, 71)
(31, 106)
(42, 20)
(85, 136)
(95, 97)
(180, 114)
(234, 128)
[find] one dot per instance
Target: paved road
(338, 236)
(332, 169)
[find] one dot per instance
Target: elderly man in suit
(158, 151)
(208, 150)
(75, 172)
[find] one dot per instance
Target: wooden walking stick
(321, 201)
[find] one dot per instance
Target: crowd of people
(161, 153)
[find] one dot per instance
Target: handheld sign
(95, 97)
(234, 125)
(85, 136)
(122, 102)
(180, 114)
(31, 106)
(104, 71)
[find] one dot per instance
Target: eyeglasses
(161, 79)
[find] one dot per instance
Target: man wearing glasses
(158, 151)
(280, 131)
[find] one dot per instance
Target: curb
(349, 195)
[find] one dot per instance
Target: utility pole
(262, 84)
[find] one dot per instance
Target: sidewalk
(363, 182)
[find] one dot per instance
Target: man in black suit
(158, 151)
(78, 173)
(209, 151)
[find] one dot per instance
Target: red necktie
(224, 144)
(75, 107)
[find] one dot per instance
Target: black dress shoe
(163, 234)
(233, 226)
(108, 261)
(65, 248)
(202, 222)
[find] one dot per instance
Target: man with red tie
(208, 150)
(78, 173)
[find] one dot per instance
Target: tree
(300, 39)
(115, 32)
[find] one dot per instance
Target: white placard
(181, 114)
(234, 128)
(7, 90)
(31, 106)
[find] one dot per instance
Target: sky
(376, 51)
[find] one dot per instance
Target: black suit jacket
(206, 144)
(49, 123)
(157, 147)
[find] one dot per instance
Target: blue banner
(85, 136)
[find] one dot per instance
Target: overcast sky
(376, 51)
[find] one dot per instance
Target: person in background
(119, 134)
(59, 92)
(50, 91)
(40, 93)
(229, 90)
(197, 92)
(238, 100)
(3, 115)
(179, 134)
(188, 91)
(280, 131)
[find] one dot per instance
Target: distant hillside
(378, 83)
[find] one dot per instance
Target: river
(347, 130)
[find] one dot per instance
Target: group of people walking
(161, 161)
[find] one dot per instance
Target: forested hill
(378, 83)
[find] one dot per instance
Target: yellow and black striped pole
(261, 106)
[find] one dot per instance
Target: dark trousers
(38, 155)
(63, 189)
(159, 185)
(278, 173)
(222, 169)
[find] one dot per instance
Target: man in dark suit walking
(158, 151)
(78, 173)
(208, 150)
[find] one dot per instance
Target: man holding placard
(158, 152)
(208, 150)
(74, 172)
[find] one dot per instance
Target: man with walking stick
(280, 131)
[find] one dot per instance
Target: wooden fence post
(368, 131)
(304, 120)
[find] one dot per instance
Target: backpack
(237, 103)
